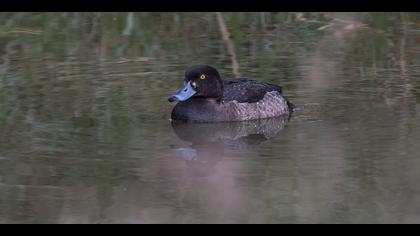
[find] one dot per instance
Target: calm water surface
(86, 136)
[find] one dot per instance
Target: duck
(205, 98)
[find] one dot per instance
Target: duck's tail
(293, 107)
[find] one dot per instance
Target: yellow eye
(203, 76)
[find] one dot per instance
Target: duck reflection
(210, 142)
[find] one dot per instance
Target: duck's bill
(186, 92)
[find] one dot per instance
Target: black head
(200, 81)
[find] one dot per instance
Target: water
(86, 137)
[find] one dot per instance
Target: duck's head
(200, 81)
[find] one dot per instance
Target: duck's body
(216, 100)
